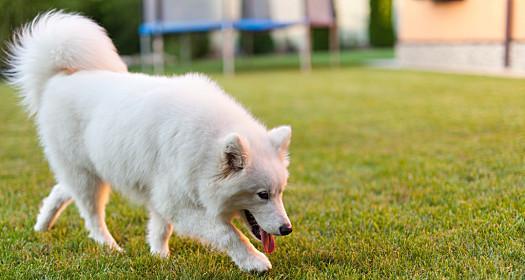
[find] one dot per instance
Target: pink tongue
(268, 242)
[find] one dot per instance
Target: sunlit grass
(393, 174)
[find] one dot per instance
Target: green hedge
(256, 42)
(381, 29)
(199, 45)
(121, 18)
(320, 38)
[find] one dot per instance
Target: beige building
(462, 34)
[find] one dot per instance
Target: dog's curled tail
(57, 42)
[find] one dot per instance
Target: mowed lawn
(393, 174)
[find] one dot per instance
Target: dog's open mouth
(267, 239)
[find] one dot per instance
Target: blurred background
(195, 34)
(183, 35)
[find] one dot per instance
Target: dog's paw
(107, 241)
(161, 253)
(40, 227)
(115, 247)
(255, 262)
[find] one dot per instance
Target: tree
(121, 18)
(381, 29)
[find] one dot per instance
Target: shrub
(380, 29)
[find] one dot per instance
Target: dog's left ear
(235, 154)
(280, 138)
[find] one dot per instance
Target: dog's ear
(280, 138)
(235, 154)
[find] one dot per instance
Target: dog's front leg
(224, 236)
(243, 253)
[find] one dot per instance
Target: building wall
(518, 26)
(464, 56)
(456, 21)
(517, 54)
(463, 35)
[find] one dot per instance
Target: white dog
(178, 145)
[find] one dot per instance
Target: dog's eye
(263, 195)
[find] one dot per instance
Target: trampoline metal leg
(158, 57)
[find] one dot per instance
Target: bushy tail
(57, 42)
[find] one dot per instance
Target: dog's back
(116, 125)
(94, 115)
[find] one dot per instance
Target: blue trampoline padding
(252, 24)
(181, 27)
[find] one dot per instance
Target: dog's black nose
(285, 229)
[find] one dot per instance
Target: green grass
(394, 174)
(284, 61)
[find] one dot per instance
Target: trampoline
(162, 17)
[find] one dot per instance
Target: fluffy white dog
(178, 145)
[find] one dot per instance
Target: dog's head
(255, 173)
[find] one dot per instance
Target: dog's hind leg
(52, 207)
(91, 196)
(159, 232)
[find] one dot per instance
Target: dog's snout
(285, 229)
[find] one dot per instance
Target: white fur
(160, 141)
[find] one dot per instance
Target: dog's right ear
(235, 154)
(280, 138)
